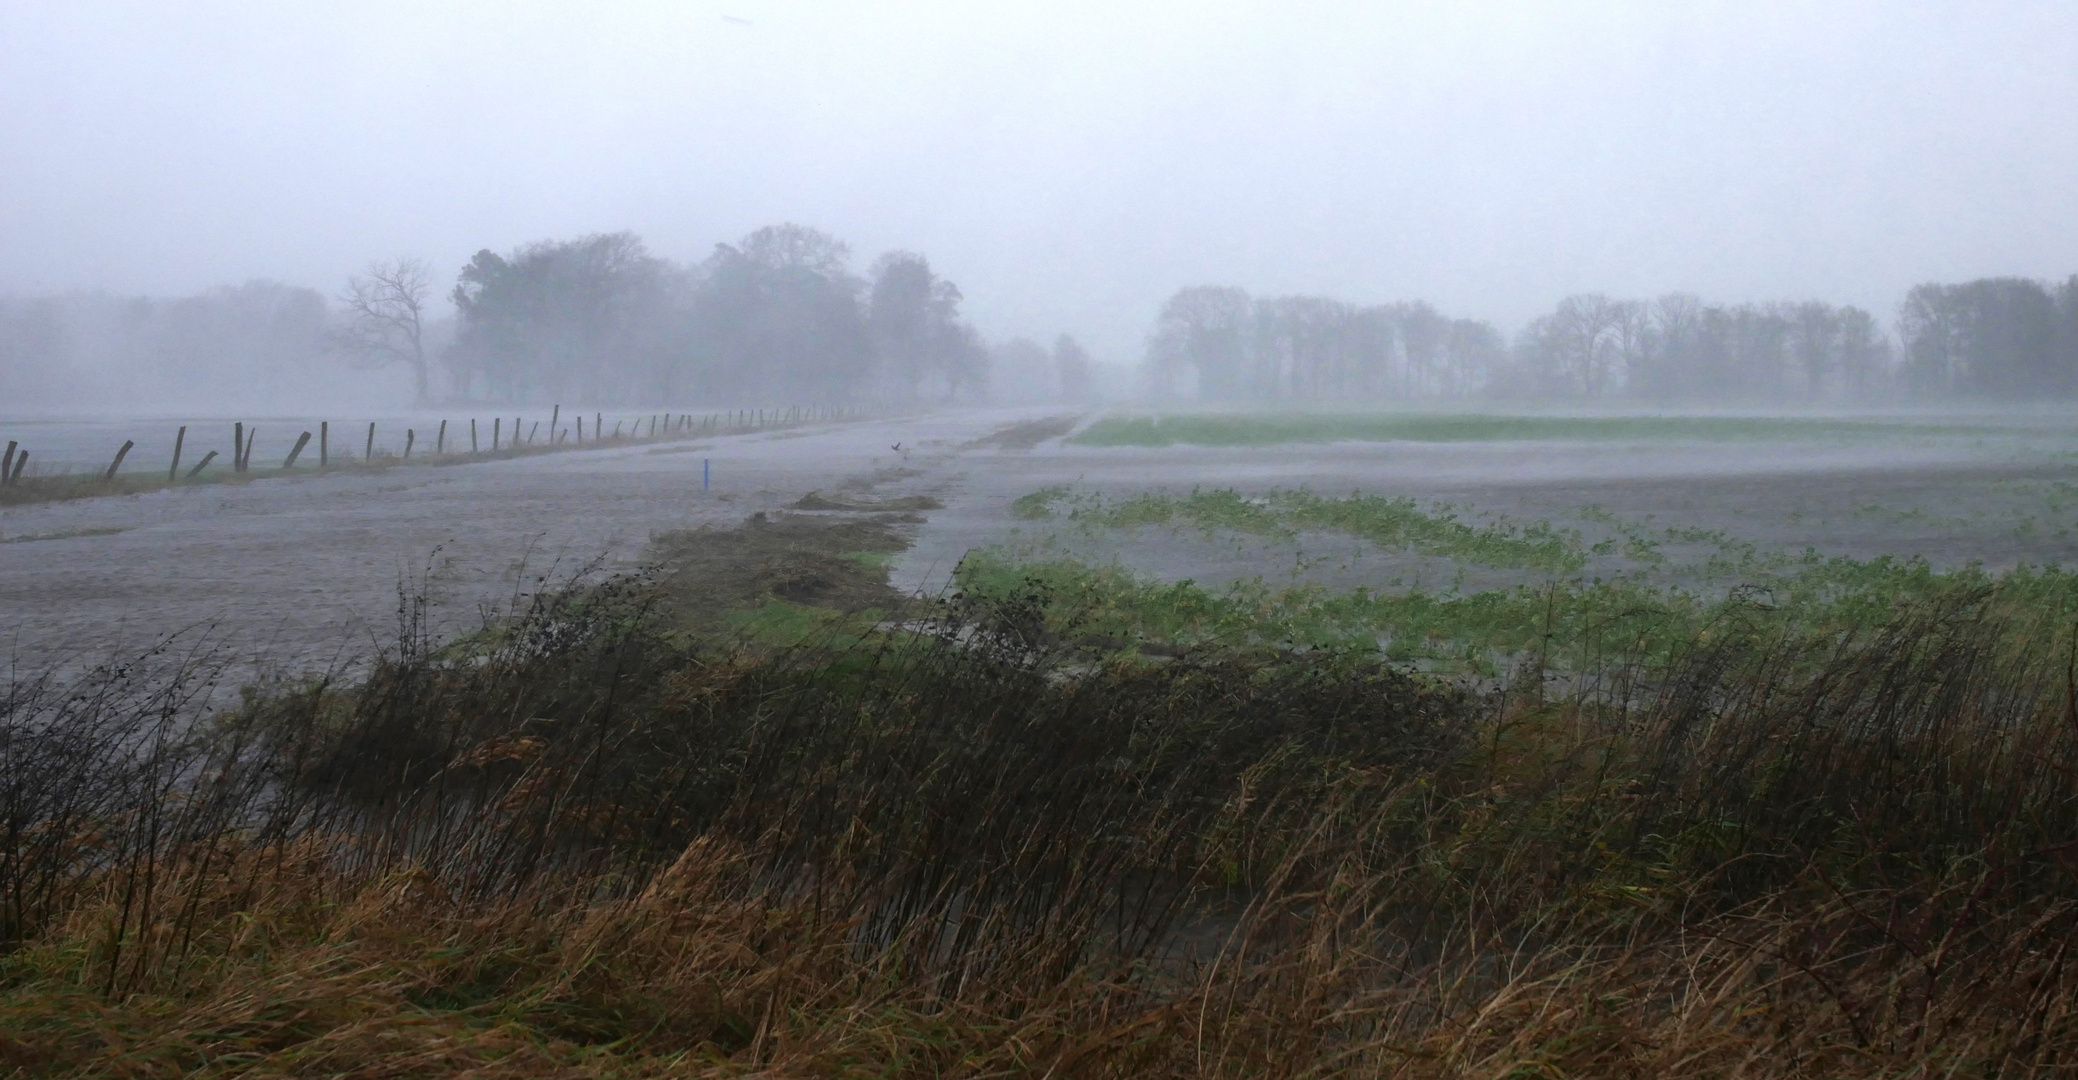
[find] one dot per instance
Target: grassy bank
(585, 845)
(1273, 429)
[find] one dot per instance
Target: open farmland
(303, 570)
(1659, 754)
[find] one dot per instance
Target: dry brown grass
(582, 852)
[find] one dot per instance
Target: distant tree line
(1223, 345)
(1992, 339)
(261, 341)
(776, 316)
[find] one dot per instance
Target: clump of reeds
(573, 847)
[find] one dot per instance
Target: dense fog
(1833, 205)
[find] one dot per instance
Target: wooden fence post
(238, 446)
(368, 454)
(472, 435)
(555, 416)
(409, 437)
(173, 470)
(531, 431)
(7, 463)
(440, 440)
(302, 441)
(21, 461)
(109, 476)
(251, 437)
(324, 443)
(580, 427)
(497, 425)
(202, 464)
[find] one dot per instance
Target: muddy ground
(303, 573)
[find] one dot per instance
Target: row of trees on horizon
(780, 316)
(777, 316)
(1994, 339)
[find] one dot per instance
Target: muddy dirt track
(297, 574)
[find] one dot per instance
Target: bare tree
(385, 317)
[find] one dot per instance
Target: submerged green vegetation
(1270, 430)
(1653, 590)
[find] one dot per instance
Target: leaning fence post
(369, 453)
(7, 463)
(531, 431)
(109, 476)
(440, 441)
(324, 443)
(251, 437)
(21, 461)
(302, 441)
(238, 446)
(202, 464)
(173, 470)
(409, 436)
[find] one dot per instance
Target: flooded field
(301, 572)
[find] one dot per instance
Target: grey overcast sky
(1068, 164)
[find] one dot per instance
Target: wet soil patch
(834, 564)
(1026, 435)
(816, 500)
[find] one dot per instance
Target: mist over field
(1421, 540)
(1700, 205)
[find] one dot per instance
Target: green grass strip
(1272, 429)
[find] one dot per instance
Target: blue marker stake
(706, 473)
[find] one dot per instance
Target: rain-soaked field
(298, 572)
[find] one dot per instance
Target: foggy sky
(1067, 164)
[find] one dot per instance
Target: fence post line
(109, 476)
(324, 443)
(296, 451)
(173, 470)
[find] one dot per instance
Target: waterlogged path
(296, 574)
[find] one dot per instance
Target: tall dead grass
(578, 849)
